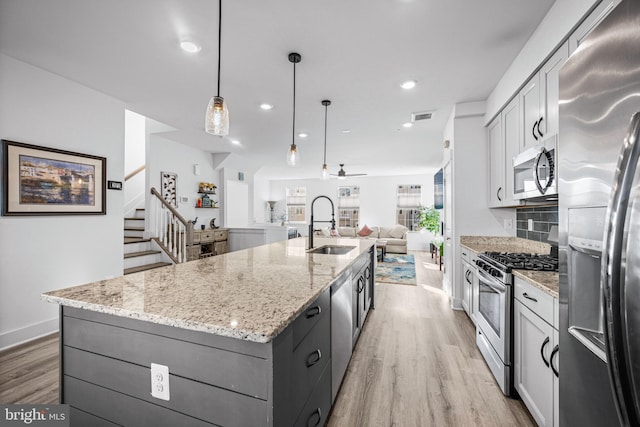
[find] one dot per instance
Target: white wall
(378, 196)
(164, 155)
(559, 22)
(39, 254)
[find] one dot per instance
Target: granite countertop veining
(546, 281)
(251, 294)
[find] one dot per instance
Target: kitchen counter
(546, 281)
(250, 295)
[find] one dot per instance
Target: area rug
(397, 269)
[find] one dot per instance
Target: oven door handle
(492, 282)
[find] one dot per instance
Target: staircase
(140, 254)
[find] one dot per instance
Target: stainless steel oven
(493, 320)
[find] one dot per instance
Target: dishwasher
(341, 318)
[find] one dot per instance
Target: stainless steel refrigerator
(599, 219)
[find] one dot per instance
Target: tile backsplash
(543, 218)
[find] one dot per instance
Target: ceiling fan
(342, 174)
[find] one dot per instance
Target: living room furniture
(436, 253)
(396, 245)
(382, 246)
(208, 243)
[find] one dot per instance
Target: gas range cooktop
(523, 261)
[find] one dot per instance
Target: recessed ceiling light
(266, 106)
(409, 84)
(303, 135)
(407, 125)
(346, 131)
(190, 46)
(235, 142)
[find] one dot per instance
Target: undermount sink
(332, 250)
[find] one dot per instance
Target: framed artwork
(168, 184)
(46, 181)
(438, 190)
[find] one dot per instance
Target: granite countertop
(546, 281)
(251, 294)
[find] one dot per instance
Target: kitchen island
(246, 338)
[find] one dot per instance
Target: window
(408, 208)
(348, 206)
(296, 204)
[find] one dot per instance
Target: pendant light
(217, 116)
(325, 172)
(293, 156)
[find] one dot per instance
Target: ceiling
(355, 53)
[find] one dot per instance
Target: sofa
(396, 236)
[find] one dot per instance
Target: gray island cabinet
(246, 338)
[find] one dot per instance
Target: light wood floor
(416, 364)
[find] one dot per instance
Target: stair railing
(171, 230)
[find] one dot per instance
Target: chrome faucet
(333, 219)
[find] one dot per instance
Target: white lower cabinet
(536, 354)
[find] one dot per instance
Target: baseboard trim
(20, 336)
(456, 304)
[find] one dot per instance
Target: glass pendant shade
(293, 156)
(217, 117)
(325, 172)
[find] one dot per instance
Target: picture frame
(40, 180)
(169, 187)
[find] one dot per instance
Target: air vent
(425, 115)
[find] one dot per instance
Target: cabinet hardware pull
(498, 194)
(314, 358)
(544, 344)
(367, 273)
(538, 127)
(533, 131)
(466, 276)
(360, 282)
(319, 413)
(529, 298)
(553, 353)
(314, 311)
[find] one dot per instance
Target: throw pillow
(326, 232)
(334, 233)
(398, 231)
(365, 231)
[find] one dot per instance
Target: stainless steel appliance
(599, 221)
(341, 342)
(535, 171)
(494, 332)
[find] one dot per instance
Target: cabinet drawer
(309, 317)
(317, 408)
(219, 235)
(196, 237)
(221, 247)
(206, 236)
(538, 301)
(309, 360)
(465, 254)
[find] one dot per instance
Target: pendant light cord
(325, 134)
(219, 40)
(293, 130)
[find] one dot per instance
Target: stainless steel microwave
(535, 171)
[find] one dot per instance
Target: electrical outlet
(530, 225)
(508, 224)
(160, 381)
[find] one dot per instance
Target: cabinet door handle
(538, 127)
(466, 276)
(529, 298)
(498, 194)
(314, 311)
(317, 412)
(314, 358)
(544, 344)
(533, 131)
(367, 273)
(360, 282)
(553, 353)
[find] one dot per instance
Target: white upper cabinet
(539, 101)
(550, 91)
(511, 125)
(592, 21)
(496, 163)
